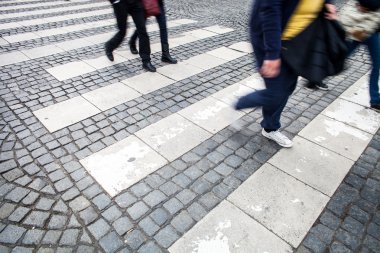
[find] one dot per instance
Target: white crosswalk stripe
(61, 72)
(56, 10)
(61, 115)
(165, 140)
(56, 48)
(41, 21)
(35, 5)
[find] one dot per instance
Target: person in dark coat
(123, 8)
(161, 20)
(274, 21)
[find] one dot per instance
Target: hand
(359, 35)
(331, 12)
(271, 68)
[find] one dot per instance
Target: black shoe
(166, 57)
(109, 53)
(133, 48)
(322, 86)
(376, 107)
(149, 67)
(311, 86)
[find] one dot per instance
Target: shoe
(149, 67)
(166, 57)
(311, 86)
(109, 53)
(132, 47)
(376, 107)
(322, 86)
(278, 137)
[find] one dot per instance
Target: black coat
(318, 51)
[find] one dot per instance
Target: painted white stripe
(59, 47)
(170, 137)
(57, 31)
(289, 203)
(41, 21)
(61, 74)
(53, 10)
(108, 97)
(34, 5)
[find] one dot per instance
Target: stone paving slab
(179, 71)
(318, 167)
(42, 51)
(123, 164)
(358, 93)
(245, 47)
(281, 203)
(354, 115)
(337, 136)
(12, 58)
(56, 116)
(173, 136)
(111, 96)
(228, 229)
(70, 70)
(211, 114)
(148, 82)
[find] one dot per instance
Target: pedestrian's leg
(138, 16)
(120, 10)
(282, 86)
(132, 43)
(373, 44)
(161, 20)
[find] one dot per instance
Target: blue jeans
(373, 46)
(274, 98)
(161, 20)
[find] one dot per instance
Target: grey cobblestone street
(57, 194)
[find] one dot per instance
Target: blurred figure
(274, 21)
(161, 20)
(123, 8)
(362, 26)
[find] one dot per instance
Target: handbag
(151, 7)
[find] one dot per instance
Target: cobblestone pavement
(51, 203)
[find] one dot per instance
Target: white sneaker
(278, 137)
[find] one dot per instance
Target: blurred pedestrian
(123, 8)
(274, 21)
(161, 20)
(362, 25)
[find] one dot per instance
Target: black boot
(133, 48)
(108, 52)
(166, 57)
(149, 66)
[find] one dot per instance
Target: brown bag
(152, 8)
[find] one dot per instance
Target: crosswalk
(274, 209)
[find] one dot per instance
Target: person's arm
(271, 16)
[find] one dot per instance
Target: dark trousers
(373, 45)
(161, 20)
(122, 9)
(272, 99)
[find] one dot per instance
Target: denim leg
(273, 99)
(161, 20)
(373, 45)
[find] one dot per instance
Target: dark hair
(372, 5)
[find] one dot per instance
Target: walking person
(272, 22)
(123, 8)
(161, 20)
(362, 25)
